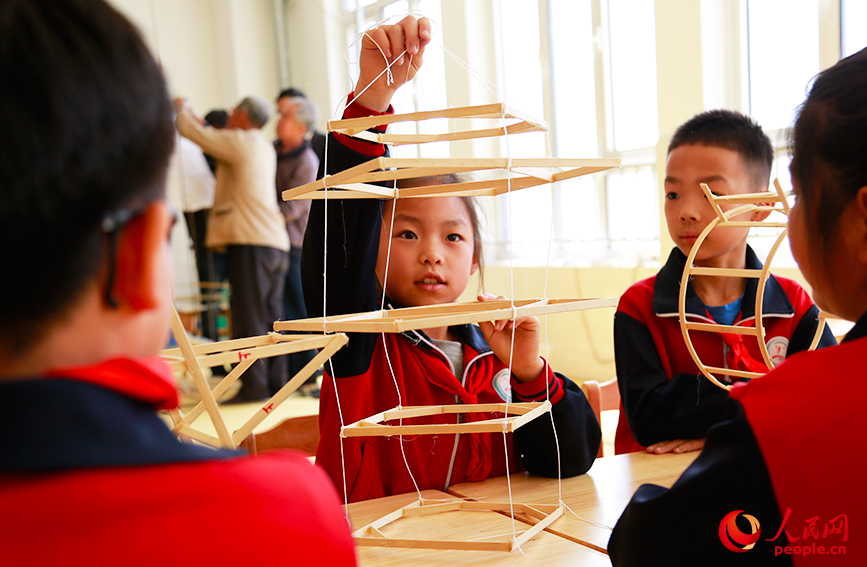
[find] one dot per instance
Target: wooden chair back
(300, 433)
(602, 397)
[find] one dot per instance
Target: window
(583, 66)
(853, 32)
(425, 92)
(783, 38)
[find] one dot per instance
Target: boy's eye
(671, 195)
(407, 235)
(454, 238)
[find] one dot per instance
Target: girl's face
(431, 251)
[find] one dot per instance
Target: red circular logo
(733, 538)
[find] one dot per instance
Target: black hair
(829, 147)
(218, 118)
(291, 92)
(87, 133)
(732, 131)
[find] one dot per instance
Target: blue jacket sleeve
(659, 408)
(681, 525)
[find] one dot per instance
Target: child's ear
(759, 216)
(140, 264)
(475, 266)
(861, 224)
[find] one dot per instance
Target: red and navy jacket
(90, 474)
(422, 374)
(664, 396)
(792, 456)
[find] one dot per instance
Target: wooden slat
(414, 318)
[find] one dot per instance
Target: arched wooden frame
(750, 202)
(245, 352)
(514, 174)
(429, 316)
(359, 127)
(373, 426)
(372, 536)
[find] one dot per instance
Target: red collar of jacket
(149, 380)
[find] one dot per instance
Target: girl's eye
(454, 238)
(671, 196)
(407, 235)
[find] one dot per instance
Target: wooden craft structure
(373, 426)
(514, 174)
(371, 534)
(358, 127)
(508, 175)
(244, 352)
(428, 316)
(750, 202)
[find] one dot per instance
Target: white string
(483, 80)
(583, 519)
(547, 342)
(325, 330)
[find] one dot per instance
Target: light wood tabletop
(596, 499)
(545, 548)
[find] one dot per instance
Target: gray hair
(258, 110)
(306, 111)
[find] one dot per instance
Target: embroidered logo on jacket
(777, 349)
(503, 385)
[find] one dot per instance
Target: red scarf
(738, 357)
(479, 466)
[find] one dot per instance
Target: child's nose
(431, 254)
(690, 210)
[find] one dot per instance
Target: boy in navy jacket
(89, 473)
(667, 404)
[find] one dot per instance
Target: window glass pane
(521, 71)
(632, 38)
(578, 208)
(853, 15)
(573, 79)
(633, 204)
(783, 57)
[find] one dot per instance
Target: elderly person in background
(297, 165)
(247, 223)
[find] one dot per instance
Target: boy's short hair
(732, 131)
(258, 110)
(87, 132)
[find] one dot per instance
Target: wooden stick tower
(514, 174)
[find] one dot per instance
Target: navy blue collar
(667, 289)
(859, 331)
(60, 424)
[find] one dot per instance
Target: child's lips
(430, 283)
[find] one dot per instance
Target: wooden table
(599, 496)
(546, 547)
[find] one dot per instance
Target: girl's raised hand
(526, 362)
(389, 42)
